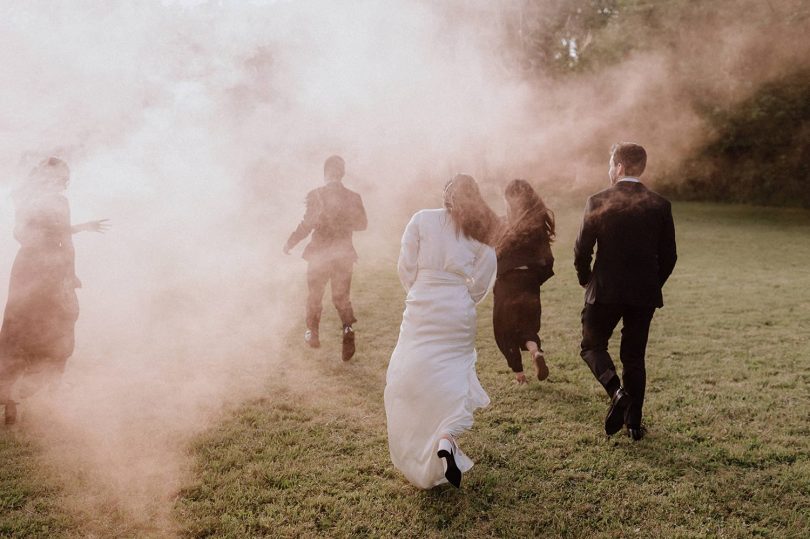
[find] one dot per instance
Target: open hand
(520, 378)
(101, 226)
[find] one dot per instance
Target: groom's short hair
(631, 155)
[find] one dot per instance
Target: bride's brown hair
(471, 215)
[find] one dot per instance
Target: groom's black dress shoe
(452, 474)
(636, 433)
(614, 421)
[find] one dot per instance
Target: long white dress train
(431, 386)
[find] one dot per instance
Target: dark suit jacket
(333, 213)
(633, 231)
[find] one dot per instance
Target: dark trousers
(598, 322)
(339, 273)
(516, 314)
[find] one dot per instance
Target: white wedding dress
(431, 385)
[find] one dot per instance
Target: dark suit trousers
(598, 322)
(319, 273)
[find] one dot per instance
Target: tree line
(755, 100)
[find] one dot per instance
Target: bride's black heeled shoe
(447, 452)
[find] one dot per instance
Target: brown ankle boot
(11, 412)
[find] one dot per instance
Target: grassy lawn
(728, 406)
(29, 498)
(727, 454)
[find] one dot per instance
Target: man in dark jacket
(633, 230)
(333, 213)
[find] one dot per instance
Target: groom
(634, 233)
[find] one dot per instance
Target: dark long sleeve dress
(42, 307)
(524, 263)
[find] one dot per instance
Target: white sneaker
(311, 338)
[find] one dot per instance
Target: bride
(446, 265)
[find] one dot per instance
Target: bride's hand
(520, 377)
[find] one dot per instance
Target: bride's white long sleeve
(484, 267)
(407, 265)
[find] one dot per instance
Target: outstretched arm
(101, 226)
(360, 221)
(583, 247)
(307, 223)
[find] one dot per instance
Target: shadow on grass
(447, 509)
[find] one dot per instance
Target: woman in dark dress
(524, 263)
(36, 338)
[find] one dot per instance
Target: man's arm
(307, 223)
(667, 252)
(359, 221)
(583, 247)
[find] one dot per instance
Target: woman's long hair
(50, 175)
(527, 214)
(471, 215)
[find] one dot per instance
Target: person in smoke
(333, 213)
(524, 263)
(633, 231)
(446, 265)
(37, 335)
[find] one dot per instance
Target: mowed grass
(29, 497)
(728, 412)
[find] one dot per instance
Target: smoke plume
(198, 128)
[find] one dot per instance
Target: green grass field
(728, 412)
